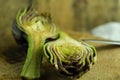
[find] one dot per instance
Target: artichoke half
(70, 57)
(32, 31)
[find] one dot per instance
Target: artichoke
(70, 57)
(38, 35)
(32, 31)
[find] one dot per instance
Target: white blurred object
(108, 31)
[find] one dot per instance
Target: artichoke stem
(31, 68)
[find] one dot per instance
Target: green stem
(31, 68)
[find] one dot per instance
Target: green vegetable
(70, 57)
(37, 28)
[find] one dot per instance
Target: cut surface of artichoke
(70, 57)
(37, 29)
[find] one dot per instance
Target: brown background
(81, 15)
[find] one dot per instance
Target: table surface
(12, 59)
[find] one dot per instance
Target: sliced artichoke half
(70, 57)
(33, 29)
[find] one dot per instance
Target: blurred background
(81, 15)
(77, 15)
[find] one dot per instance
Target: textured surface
(11, 61)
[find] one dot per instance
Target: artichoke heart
(32, 30)
(70, 57)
